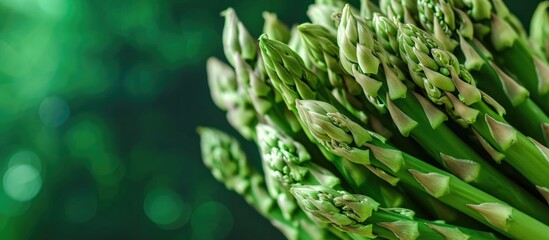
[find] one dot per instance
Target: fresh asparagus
(415, 116)
(228, 95)
(223, 155)
(498, 29)
(346, 138)
(403, 10)
(290, 165)
(452, 28)
(361, 215)
(299, 84)
(343, 74)
(539, 31)
(443, 78)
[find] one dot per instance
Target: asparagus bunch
(344, 137)
(452, 28)
(449, 84)
(415, 116)
(290, 165)
(496, 27)
(223, 155)
(340, 109)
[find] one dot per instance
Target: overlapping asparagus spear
(227, 161)
(320, 194)
(496, 27)
(346, 138)
(363, 56)
(373, 69)
(449, 84)
(454, 31)
(268, 110)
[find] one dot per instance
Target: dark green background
(102, 98)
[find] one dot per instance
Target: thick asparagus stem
(344, 137)
(289, 164)
(443, 78)
(498, 29)
(415, 116)
(294, 81)
(360, 214)
(452, 28)
(227, 161)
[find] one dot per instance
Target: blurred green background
(99, 101)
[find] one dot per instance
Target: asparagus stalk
(290, 165)
(403, 10)
(443, 78)
(452, 28)
(415, 116)
(539, 31)
(293, 81)
(346, 138)
(497, 28)
(286, 163)
(228, 95)
(361, 215)
(322, 48)
(252, 84)
(223, 155)
(264, 98)
(275, 28)
(368, 9)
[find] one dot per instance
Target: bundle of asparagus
(408, 120)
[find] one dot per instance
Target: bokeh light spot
(54, 111)
(22, 182)
(165, 208)
(26, 157)
(211, 220)
(53, 7)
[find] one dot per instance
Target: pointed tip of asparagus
(504, 135)
(542, 70)
(392, 158)
(496, 156)
(449, 233)
(435, 116)
(435, 184)
(404, 123)
(497, 214)
(503, 35)
(403, 230)
(466, 170)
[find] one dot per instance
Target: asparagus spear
(293, 81)
(403, 10)
(287, 163)
(264, 99)
(275, 28)
(322, 48)
(497, 28)
(443, 78)
(346, 138)
(415, 116)
(290, 165)
(368, 9)
(539, 31)
(361, 215)
(453, 28)
(227, 161)
(228, 95)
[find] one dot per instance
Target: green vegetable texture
(396, 121)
